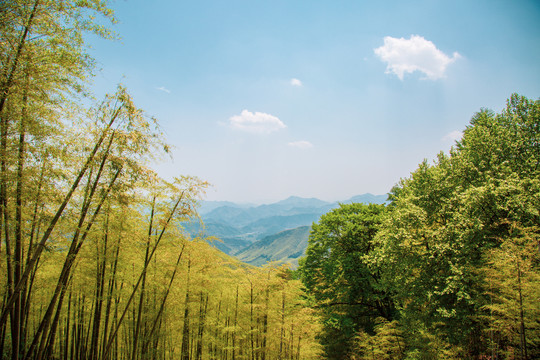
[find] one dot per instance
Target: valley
(257, 234)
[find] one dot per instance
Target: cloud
(452, 136)
(164, 89)
(256, 122)
(414, 54)
(301, 144)
(296, 82)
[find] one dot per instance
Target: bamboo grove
(94, 261)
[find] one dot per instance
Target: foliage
(386, 343)
(456, 252)
(450, 219)
(337, 273)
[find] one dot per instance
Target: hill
(286, 246)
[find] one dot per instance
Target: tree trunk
(522, 337)
(251, 299)
(17, 319)
(110, 291)
(100, 284)
(70, 259)
(162, 306)
(202, 319)
(235, 324)
(265, 318)
(184, 352)
(143, 286)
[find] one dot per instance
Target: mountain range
(257, 234)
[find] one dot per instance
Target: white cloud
(452, 136)
(301, 144)
(256, 122)
(414, 54)
(296, 82)
(164, 89)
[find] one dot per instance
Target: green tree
(448, 216)
(337, 271)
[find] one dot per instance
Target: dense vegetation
(94, 261)
(96, 264)
(450, 269)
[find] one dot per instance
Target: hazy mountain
(286, 246)
(298, 202)
(231, 245)
(233, 216)
(229, 239)
(240, 225)
(274, 224)
(241, 216)
(207, 206)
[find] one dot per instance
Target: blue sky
(327, 99)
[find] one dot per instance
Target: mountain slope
(229, 239)
(275, 224)
(286, 246)
(207, 206)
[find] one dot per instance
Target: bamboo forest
(95, 262)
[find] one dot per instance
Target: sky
(312, 98)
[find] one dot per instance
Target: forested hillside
(284, 247)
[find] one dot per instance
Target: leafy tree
(337, 272)
(448, 216)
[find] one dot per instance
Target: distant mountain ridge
(269, 232)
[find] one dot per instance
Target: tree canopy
(456, 252)
(337, 271)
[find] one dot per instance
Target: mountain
(242, 215)
(229, 245)
(298, 202)
(286, 246)
(207, 206)
(233, 216)
(274, 224)
(238, 226)
(229, 239)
